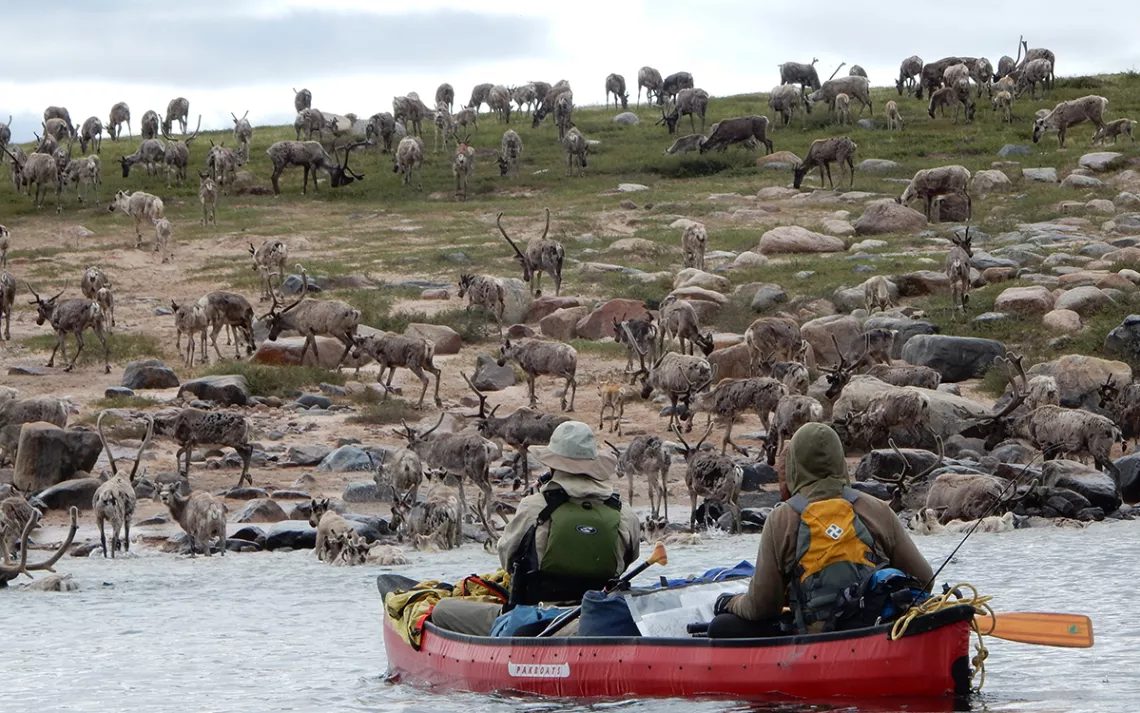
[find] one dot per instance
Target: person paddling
(572, 536)
(825, 538)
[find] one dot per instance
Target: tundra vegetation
(364, 243)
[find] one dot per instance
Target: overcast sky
(234, 55)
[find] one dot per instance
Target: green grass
(381, 412)
(265, 380)
(625, 154)
(127, 402)
(380, 227)
(122, 347)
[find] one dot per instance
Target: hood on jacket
(816, 466)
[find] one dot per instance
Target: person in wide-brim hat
(574, 449)
(581, 479)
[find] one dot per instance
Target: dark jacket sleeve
(767, 593)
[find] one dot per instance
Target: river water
(282, 632)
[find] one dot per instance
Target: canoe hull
(931, 662)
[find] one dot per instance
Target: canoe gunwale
(920, 625)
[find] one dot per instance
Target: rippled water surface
(282, 632)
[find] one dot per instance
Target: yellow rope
(949, 599)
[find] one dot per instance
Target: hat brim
(600, 468)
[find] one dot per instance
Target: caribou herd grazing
(896, 414)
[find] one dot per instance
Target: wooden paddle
(659, 556)
(1072, 631)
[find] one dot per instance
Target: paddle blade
(659, 555)
(1072, 631)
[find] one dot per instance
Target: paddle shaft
(564, 619)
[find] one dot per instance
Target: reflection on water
(280, 631)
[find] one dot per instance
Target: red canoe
(930, 661)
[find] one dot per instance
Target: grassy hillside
(380, 227)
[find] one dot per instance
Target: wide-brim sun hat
(574, 449)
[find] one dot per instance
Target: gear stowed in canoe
(925, 653)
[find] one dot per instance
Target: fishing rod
(997, 501)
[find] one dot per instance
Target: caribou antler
(106, 447)
(138, 457)
(413, 435)
(708, 430)
(8, 573)
(195, 134)
(50, 299)
(547, 228)
(684, 444)
(499, 222)
(902, 480)
(1019, 392)
(480, 394)
(304, 289)
(347, 150)
(480, 511)
(615, 449)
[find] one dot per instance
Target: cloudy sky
(355, 55)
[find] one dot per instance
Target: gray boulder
(293, 285)
(955, 358)
(306, 456)
(886, 216)
(1013, 150)
(246, 493)
(1097, 487)
(874, 488)
(990, 181)
(1042, 175)
(949, 413)
(1101, 161)
(874, 165)
(249, 533)
(48, 454)
(370, 528)
(757, 475)
(346, 459)
(260, 510)
(626, 118)
(314, 401)
(848, 334)
(1080, 377)
(226, 390)
(905, 326)
(70, 493)
(363, 491)
(1084, 300)
(294, 534)
(1124, 341)
(923, 282)
(489, 376)
(1076, 180)
(1129, 476)
(983, 260)
(149, 374)
(768, 296)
